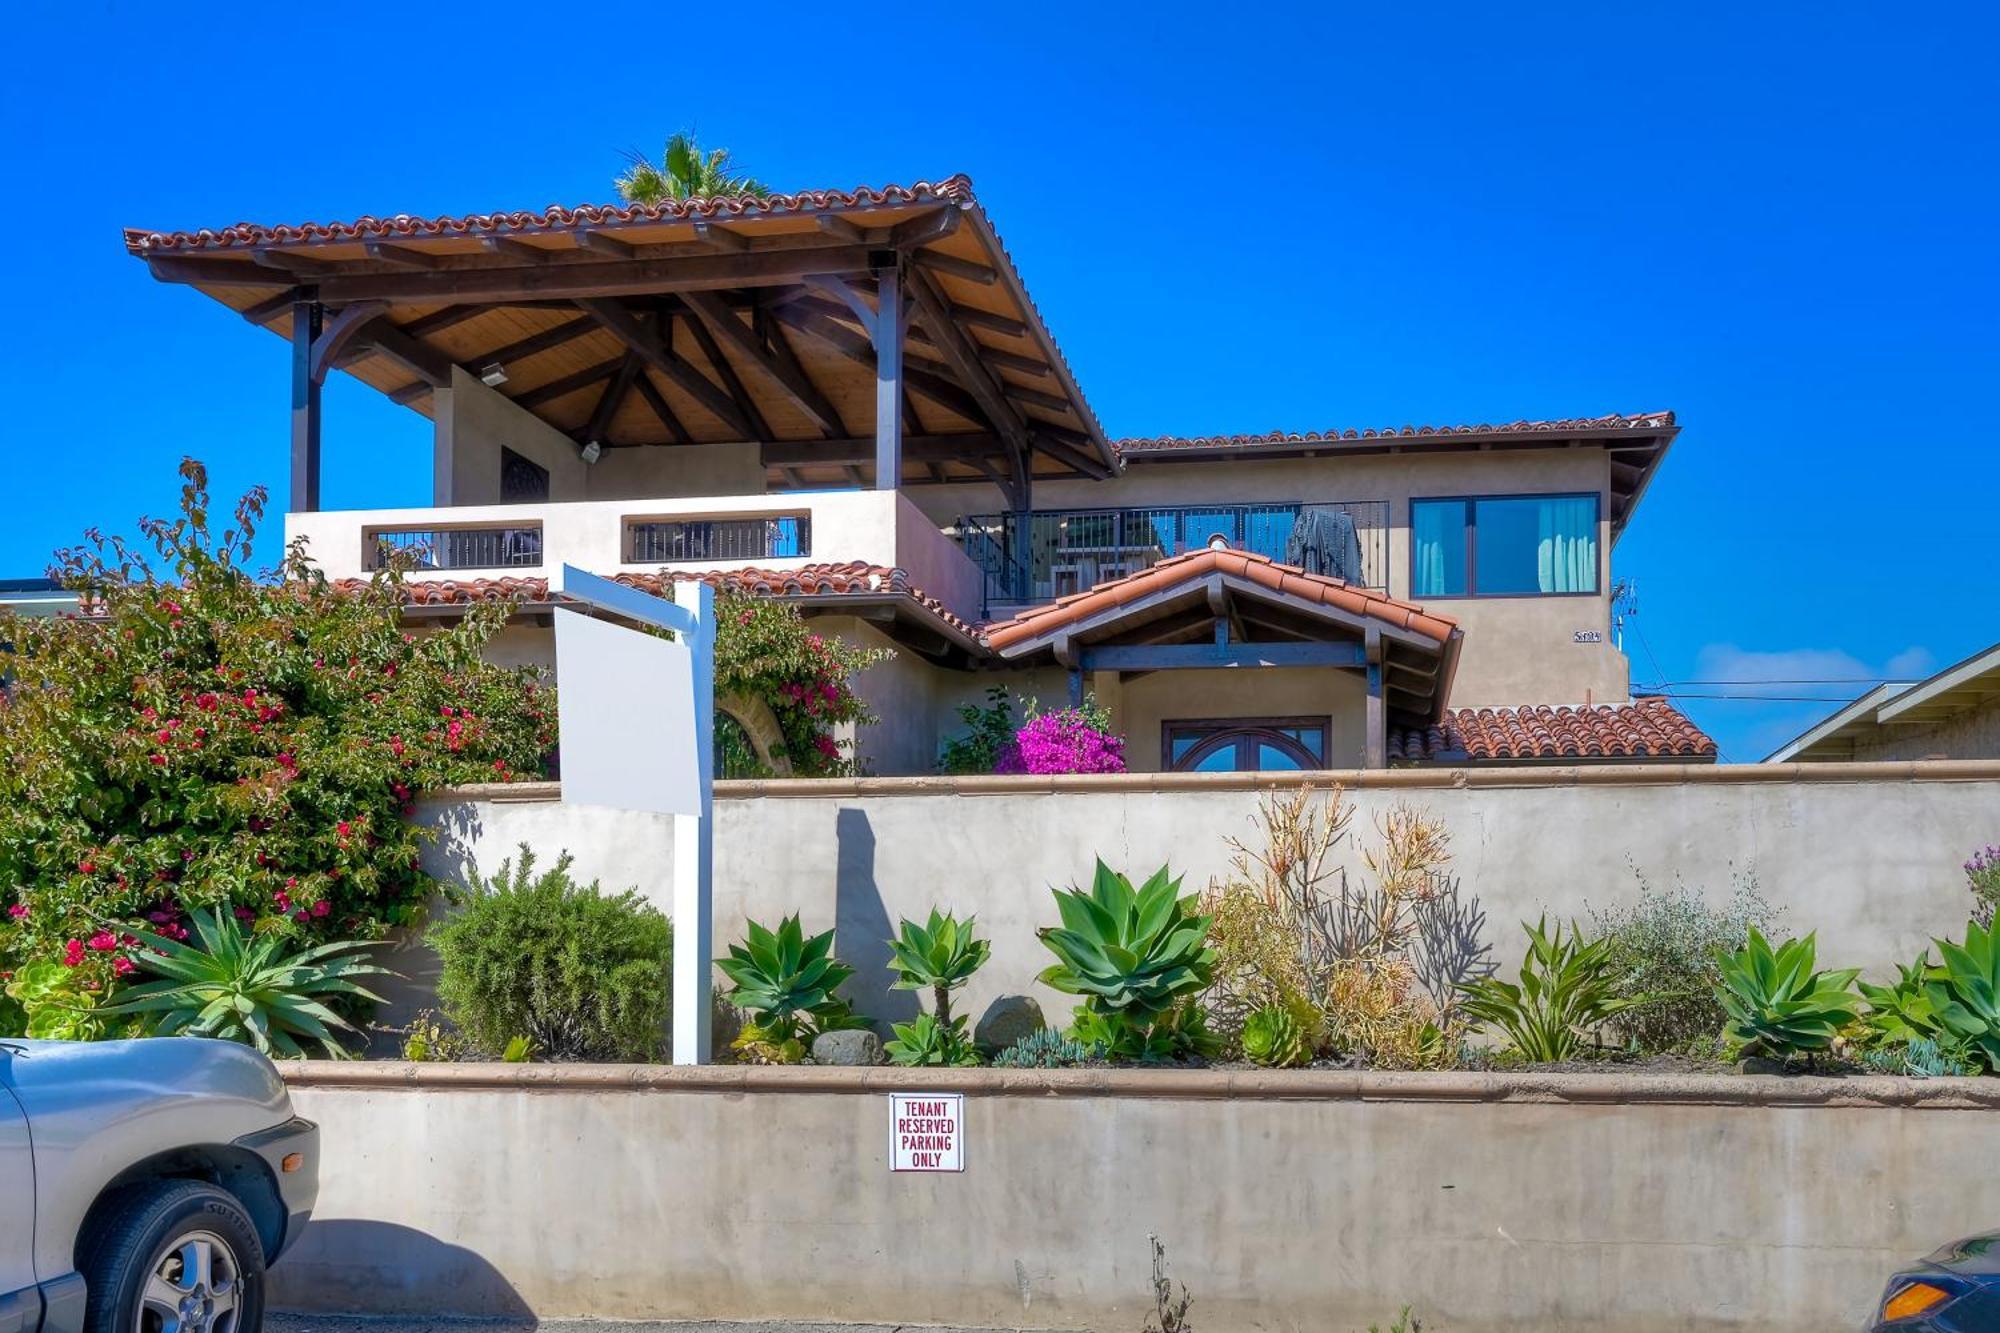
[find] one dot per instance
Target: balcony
(613, 536)
(1066, 551)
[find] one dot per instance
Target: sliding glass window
(1504, 546)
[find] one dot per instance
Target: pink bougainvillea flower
(73, 953)
(103, 941)
(344, 828)
(19, 911)
(322, 907)
(121, 965)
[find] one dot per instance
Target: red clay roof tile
(1286, 580)
(1644, 729)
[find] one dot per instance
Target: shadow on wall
(353, 1266)
(861, 925)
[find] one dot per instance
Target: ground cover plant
(206, 738)
(564, 968)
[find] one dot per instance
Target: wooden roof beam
(916, 449)
(633, 331)
(953, 267)
(657, 401)
(732, 383)
(857, 348)
(612, 399)
(784, 372)
(569, 384)
(402, 255)
(595, 279)
(513, 249)
(963, 358)
(718, 237)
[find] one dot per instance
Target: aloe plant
(1136, 957)
(239, 986)
(1777, 1003)
(787, 982)
(1965, 992)
(940, 955)
(1568, 988)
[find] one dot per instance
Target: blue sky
(1777, 220)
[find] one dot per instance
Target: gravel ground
(298, 1323)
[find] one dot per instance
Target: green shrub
(581, 974)
(939, 956)
(787, 983)
(1903, 1012)
(1566, 992)
(213, 739)
(1272, 1037)
(990, 730)
(1664, 947)
(929, 1042)
(248, 988)
(764, 649)
(1138, 958)
(1047, 1049)
(1778, 1005)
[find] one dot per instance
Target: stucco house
(1954, 714)
(848, 400)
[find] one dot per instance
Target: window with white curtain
(1504, 546)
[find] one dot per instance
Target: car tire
(173, 1250)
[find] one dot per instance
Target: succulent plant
(1567, 988)
(1272, 1037)
(1135, 956)
(940, 956)
(787, 982)
(929, 1042)
(1965, 993)
(1047, 1049)
(1778, 1004)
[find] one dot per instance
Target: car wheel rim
(193, 1285)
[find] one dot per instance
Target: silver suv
(145, 1185)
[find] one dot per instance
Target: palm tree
(684, 172)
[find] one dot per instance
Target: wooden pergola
(877, 337)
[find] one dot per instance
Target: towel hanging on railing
(1324, 541)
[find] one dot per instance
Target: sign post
(638, 719)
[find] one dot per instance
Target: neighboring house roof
(854, 585)
(1637, 442)
(1011, 637)
(1959, 688)
(1643, 729)
(472, 290)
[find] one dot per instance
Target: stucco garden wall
(1867, 855)
(1288, 1201)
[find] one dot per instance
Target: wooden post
(307, 319)
(1377, 752)
(888, 333)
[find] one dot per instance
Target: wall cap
(1306, 1085)
(1353, 779)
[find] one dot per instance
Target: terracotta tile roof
(1644, 729)
(856, 578)
(1641, 421)
(1287, 580)
(954, 189)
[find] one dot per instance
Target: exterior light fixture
(592, 452)
(493, 375)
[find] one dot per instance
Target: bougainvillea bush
(202, 736)
(764, 649)
(1067, 740)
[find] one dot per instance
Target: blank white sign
(626, 704)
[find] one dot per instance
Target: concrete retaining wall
(1296, 1201)
(1867, 854)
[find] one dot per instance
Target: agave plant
(1135, 956)
(1965, 993)
(239, 986)
(1568, 987)
(787, 982)
(1777, 1003)
(927, 1041)
(1272, 1037)
(941, 954)
(1903, 1012)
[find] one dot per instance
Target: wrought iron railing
(1066, 551)
(666, 540)
(459, 548)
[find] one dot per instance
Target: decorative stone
(854, 1046)
(1758, 1064)
(1006, 1021)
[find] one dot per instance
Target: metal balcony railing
(459, 548)
(785, 537)
(1066, 551)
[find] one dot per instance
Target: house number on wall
(1589, 636)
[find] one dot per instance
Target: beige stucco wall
(1299, 1201)
(1971, 735)
(473, 423)
(1868, 858)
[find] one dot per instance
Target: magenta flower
(1065, 741)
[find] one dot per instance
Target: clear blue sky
(1778, 220)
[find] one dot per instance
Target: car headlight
(1910, 1297)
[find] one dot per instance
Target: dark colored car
(1956, 1290)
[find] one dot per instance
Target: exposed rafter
(783, 371)
(635, 334)
(732, 383)
(612, 399)
(657, 401)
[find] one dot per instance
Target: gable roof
(1033, 628)
(1960, 688)
(1644, 729)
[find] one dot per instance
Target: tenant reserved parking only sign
(927, 1131)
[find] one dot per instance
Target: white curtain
(1566, 554)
